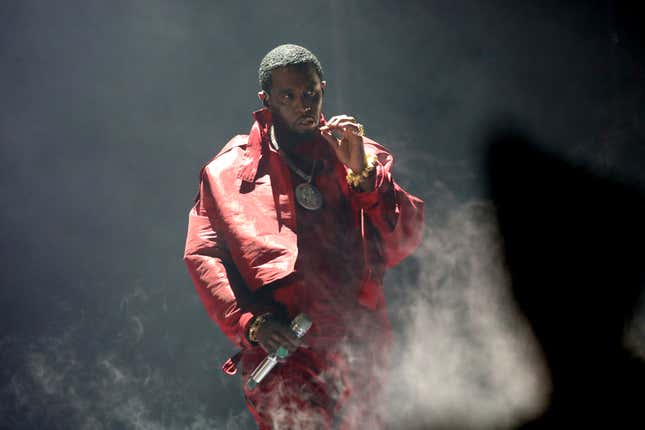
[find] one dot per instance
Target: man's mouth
(307, 121)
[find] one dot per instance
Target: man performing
(302, 216)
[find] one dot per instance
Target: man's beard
(293, 137)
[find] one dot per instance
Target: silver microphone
(300, 326)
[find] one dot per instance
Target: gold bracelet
(255, 325)
(354, 179)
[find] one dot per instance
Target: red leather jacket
(242, 233)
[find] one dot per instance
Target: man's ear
(264, 98)
(323, 85)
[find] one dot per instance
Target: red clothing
(251, 248)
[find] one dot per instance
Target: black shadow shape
(574, 244)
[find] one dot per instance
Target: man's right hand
(275, 333)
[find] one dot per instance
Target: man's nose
(304, 104)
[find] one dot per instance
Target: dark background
(109, 109)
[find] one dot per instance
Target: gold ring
(361, 130)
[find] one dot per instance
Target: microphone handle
(262, 370)
(300, 325)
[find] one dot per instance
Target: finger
(274, 346)
(293, 340)
(335, 132)
(342, 129)
(296, 342)
(335, 145)
(331, 139)
(290, 349)
(277, 340)
(338, 133)
(334, 121)
(336, 118)
(287, 339)
(345, 119)
(268, 347)
(346, 122)
(349, 127)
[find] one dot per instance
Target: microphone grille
(301, 325)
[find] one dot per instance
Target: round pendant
(308, 196)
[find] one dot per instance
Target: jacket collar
(258, 145)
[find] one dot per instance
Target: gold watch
(254, 326)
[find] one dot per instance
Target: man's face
(296, 97)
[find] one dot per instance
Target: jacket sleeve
(216, 278)
(396, 215)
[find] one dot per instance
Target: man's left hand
(349, 149)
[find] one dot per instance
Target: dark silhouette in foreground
(574, 244)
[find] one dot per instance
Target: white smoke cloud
(57, 383)
(465, 357)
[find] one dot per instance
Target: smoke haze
(109, 110)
